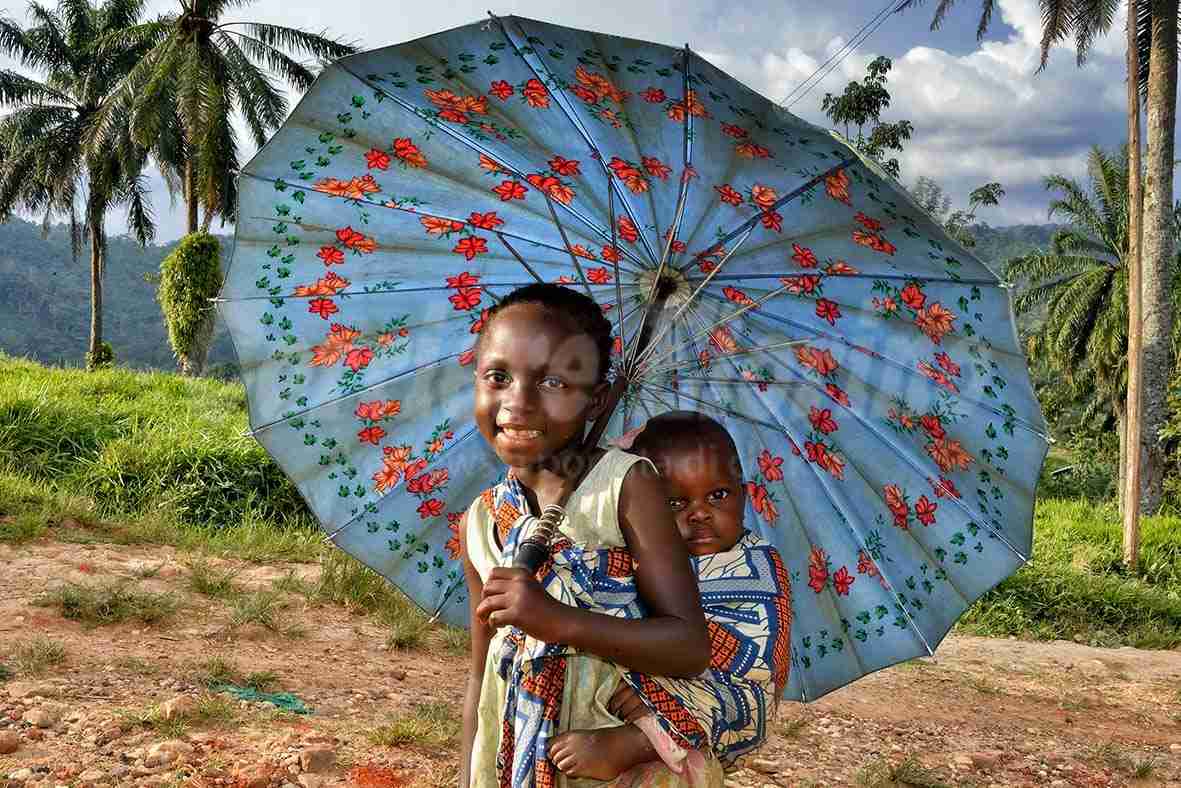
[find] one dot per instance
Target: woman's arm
(481, 635)
(672, 641)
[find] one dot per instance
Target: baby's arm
(481, 635)
(672, 641)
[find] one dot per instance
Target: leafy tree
(934, 200)
(189, 277)
(45, 165)
(199, 70)
(862, 105)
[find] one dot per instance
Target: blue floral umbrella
(866, 364)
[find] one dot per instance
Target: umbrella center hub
(671, 287)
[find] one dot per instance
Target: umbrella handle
(535, 548)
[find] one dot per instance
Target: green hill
(45, 294)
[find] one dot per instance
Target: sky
(981, 110)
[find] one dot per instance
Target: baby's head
(700, 464)
(541, 368)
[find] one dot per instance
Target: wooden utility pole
(1135, 324)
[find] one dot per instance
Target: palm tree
(198, 70)
(44, 166)
(1083, 282)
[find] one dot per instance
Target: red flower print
(468, 298)
(895, 498)
(617, 346)
(794, 448)
(654, 96)
(837, 393)
(355, 240)
(353, 189)
(749, 150)
(455, 521)
(323, 307)
(704, 359)
(840, 268)
(722, 340)
(828, 310)
(654, 167)
(842, 581)
(884, 246)
(510, 190)
(866, 566)
(834, 464)
(924, 509)
(490, 165)
(763, 196)
(501, 89)
(873, 225)
(772, 221)
(598, 276)
(372, 434)
(913, 296)
(564, 167)
(801, 284)
(438, 226)
(770, 466)
(734, 131)
(329, 285)
(551, 186)
(949, 455)
(933, 426)
(761, 502)
(427, 482)
(814, 358)
(430, 508)
(946, 364)
(578, 250)
(463, 281)
(478, 325)
(837, 186)
(944, 488)
(935, 321)
(728, 195)
(822, 420)
(330, 255)
(611, 254)
(485, 221)
(596, 87)
(471, 246)
(358, 358)
(938, 376)
(584, 93)
(378, 409)
(817, 569)
(803, 256)
(408, 152)
(627, 229)
(535, 94)
(676, 246)
(737, 296)
(815, 451)
(377, 159)
(467, 357)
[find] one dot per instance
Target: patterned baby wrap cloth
(745, 594)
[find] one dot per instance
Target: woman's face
(537, 384)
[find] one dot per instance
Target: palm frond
(293, 39)
(1090, 19)
(261, 102)
(12, 40)
(18, 89)
(139, 209)
(291, 70)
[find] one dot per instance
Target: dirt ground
(984, 712)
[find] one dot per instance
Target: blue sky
(980, 109)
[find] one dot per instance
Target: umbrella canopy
(867, 365)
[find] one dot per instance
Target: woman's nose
(520, 397)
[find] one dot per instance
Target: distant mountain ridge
(45, 294)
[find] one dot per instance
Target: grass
(1075, 588)
(791, 729)
(217, 670)
(265, 609)
(208, 709)
(35, 656)
(908, 773)
(136, 666)
(110, 603)
(205, 578)
(347, 582)
(6, 672)
(427, 724)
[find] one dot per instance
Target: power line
(867, 30)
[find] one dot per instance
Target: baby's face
(706, 494)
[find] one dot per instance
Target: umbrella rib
(573, 257)
(398, 291)
(549, 79)
(305, 189)
(520, 259)
(860, 275)
(463, 139)
(740, 352)
(650, 349)
(848, 522)
(899, 365)
(907, 458)
(615, 249)
(754, 220)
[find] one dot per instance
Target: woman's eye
(552, 383)
(676, 504)
(496, 377)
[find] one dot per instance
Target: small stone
(763, 765)
(986, 760)
(91, 776)
(1175, 747)
(317, 759)
(398, 675)
(962, 761)
(310, 780)
(119, 770)
(256, 776)
(9, 742)
(31, 689)
(177, 707)
(167, 752)
(21, 775)
(43, 716)
(34, 734)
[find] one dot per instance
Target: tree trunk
(97, 238)
(191, 191)
(193, 364)
(1130, 429)
(1121, 487)
(1157, 253)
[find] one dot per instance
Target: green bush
(189, 277)
(1087, 467)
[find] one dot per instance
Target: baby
(745, 595)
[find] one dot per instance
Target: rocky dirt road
(130, 703)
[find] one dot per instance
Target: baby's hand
(513, 597)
